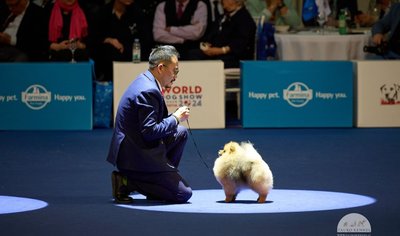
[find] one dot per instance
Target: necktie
(179, 13)
(217, 15)
(10, 19)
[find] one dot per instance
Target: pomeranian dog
(240, 166)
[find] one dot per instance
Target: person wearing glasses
(147, 142)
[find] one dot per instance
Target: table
(311, 45)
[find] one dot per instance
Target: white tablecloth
(308, 45)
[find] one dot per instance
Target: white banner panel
(200, 85)
(378, 93)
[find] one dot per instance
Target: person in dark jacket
(231, 39)
(23, 32)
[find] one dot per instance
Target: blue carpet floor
(65, 174)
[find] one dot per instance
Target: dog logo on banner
(298, 94)
(390, 94)
(36, 97)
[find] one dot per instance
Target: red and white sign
(200, 85)
(378, 93)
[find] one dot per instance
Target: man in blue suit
(147, 143)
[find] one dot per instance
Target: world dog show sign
(200, 85)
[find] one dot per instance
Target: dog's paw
(261, 199)
(229, 199)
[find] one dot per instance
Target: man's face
(229, 5)
(169, 73)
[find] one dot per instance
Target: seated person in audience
(390, 25)
(378, 12)
(22, 32)
(68, 31)
(278, 12)
(180, 23)
(118, 24)
(230, 40)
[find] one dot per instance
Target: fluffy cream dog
(241, 166)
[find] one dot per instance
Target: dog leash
(195, 145)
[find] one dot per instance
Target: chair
(232, 86)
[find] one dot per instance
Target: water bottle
(342, 22)
(136, 51)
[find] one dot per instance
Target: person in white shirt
(181, 23)
(22, 32)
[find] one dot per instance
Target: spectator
(278, 12)
(181, 23)
(22, 33)
(231, 39)
(374, 14)
(68, 31)
(390, 24)
(117, 25)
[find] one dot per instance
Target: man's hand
(377, 39)
(182, 113)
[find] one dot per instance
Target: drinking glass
(72, 47)
(321, 19)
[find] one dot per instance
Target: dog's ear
(383, 86)
(232, 148)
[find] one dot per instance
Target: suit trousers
(169, 185)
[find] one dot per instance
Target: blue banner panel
(45, 96)
(297, 94)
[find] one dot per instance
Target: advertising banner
(45, 96)
(378, 93)
(297, 94)
(200, 85)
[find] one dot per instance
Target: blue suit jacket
(141, 124)
(389, 22)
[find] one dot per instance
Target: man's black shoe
(117, 185)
